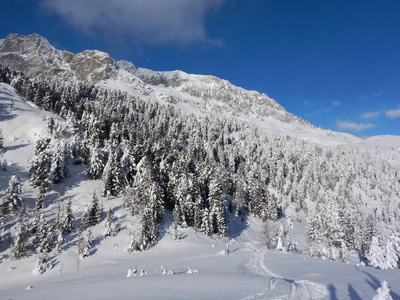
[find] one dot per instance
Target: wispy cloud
(143, 21)
(308, 103)
(344, 125)
(393, 113)
(370, 115)
(333, 104)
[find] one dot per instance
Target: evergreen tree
(112, 175)
(383, 292)
(139, 194)
(85, 221)
(152, 215)
(4, 166)
(95, 211)
(128, 166)
(20, 246)
(1, 141)
(206, 224)
(43, 263)
(69, 218)
(240, 199)
(1, 230)
(112, 228)
(59, 243)
(97, 163)
(391, 256)
(89, 240)
(375, 255)
(345, 253)
(83, 248)
(46, 237)
(217, 208)
(40, 165)
(59, 164)
(12, 201)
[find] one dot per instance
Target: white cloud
(307, 103)
(371, 115)
(344, 125)
(393, 113)
(143, 21)
(336, 103)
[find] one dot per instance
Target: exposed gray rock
(35, 56)
(126, 65)
(92, 66)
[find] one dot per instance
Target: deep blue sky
(335, 63)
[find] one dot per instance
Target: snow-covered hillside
(235, 267)
(222, 187)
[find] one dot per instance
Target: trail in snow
(277, 287)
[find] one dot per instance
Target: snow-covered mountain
(237, 197)
(200, 94)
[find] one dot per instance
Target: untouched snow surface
(239, 267)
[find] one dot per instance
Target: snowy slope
(201, 95)
(249, 271)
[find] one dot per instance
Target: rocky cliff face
(34, 56)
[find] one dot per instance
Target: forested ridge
(208, 171)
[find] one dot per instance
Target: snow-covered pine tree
(345, 253)
(97, 163)
(12, 200)
(83, 248)
(43, 263)
(383, 292)
(391, 256)
(4, 166)
(40, 164)
(257, 198)
(20, 246)
(152, 215)
(217, 208)
(206, 224)
(376, 256)
(85, 221)
(59, 164)
(128, 166)
(137, 196)
(95, 211)
(46, 237)
(1, 230)
(111, 228)
(59, 243)
(241, 199)
(69, 218)
(112, 175)
(89, 240)
(1, 141)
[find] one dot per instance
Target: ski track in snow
(277, 287)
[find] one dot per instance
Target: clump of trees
(207, 169)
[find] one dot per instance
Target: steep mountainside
(35, 57)
(101, 160)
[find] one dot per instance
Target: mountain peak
(35, 56)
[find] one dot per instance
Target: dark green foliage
(95, 211)
(12, 200)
